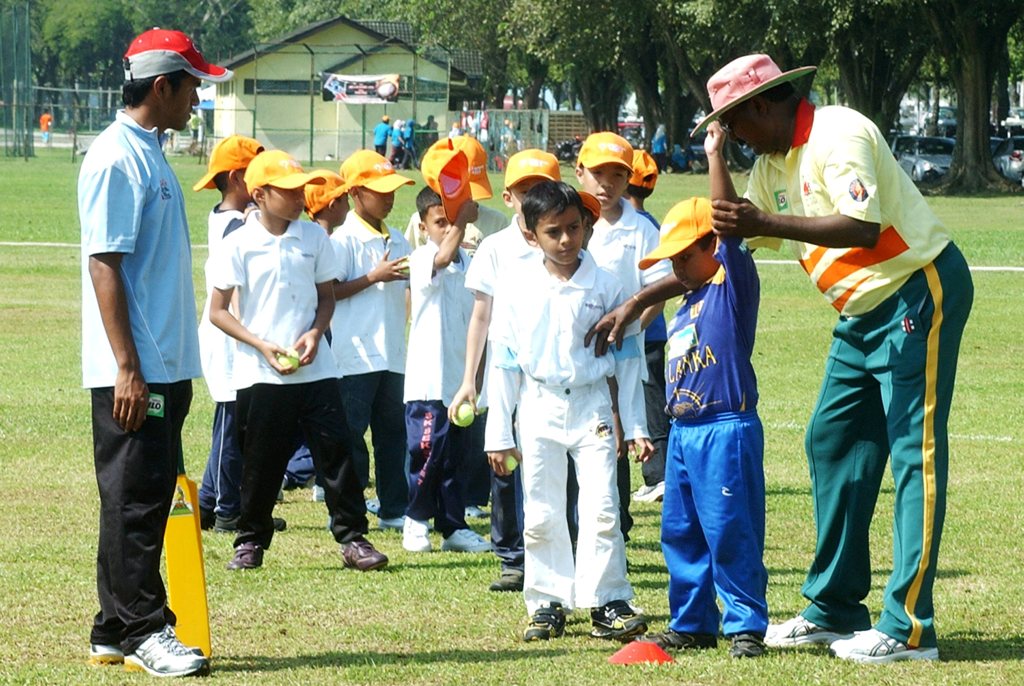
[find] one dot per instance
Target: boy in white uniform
(369, 328)
(565, 398)
(284, 271)
(441, 306)
(621, 237)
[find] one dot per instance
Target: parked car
(1009, 158)
(946, 123)
(924, 158)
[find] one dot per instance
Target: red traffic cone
(640, 653)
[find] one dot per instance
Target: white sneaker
(650, 494)
(474, 512)
(162, 654)
(874, 647)
(393, 523)
(372, 505)
(798, 632)
(101, 654)
(414, 536)
(318, 494)
(466, 541)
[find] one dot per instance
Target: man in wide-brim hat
(826, 183)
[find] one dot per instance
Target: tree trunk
(600, 92)
(971, 34)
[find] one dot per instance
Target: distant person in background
(45, 120)
(409, 155)
(380, 135)
(659, 148)
(397, 144)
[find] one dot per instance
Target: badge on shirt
(857, 191)
(781, 200)
(155, 408)
(682, 341)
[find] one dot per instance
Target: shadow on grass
(972, 646)
(247, 663)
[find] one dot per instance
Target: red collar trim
(804, 122)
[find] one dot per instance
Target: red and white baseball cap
(162, 51)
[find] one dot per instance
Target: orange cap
(531, 163)
(369, 169)
(320, 195)
(234, 152)
(685, 224)
(645, 170)
(278, 169)
(446, 171)
(591, 203)
(477, 157)
(606, 147)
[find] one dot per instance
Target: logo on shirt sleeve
(857, 191)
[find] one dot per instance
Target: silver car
(924, 158)
(1009, 158)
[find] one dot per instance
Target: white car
(1015, 119)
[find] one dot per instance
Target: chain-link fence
(16, 103)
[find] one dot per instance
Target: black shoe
(677, 640)
(511, 580)
(747, 645)
(229, 525)
(548, 622)
(247, 556)
(617, 620)
(206, 519)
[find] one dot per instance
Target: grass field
(428, 619)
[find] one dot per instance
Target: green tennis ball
(464, 415)
(289, 359)
(511, 463)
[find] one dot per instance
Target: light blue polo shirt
(130, 202)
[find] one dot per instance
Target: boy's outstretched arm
(476, 339)
(722, 187)
(610, 330)
(453, 238)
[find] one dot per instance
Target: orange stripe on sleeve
(890, 244)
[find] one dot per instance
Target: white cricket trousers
(554, 421)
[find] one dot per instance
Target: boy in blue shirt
(712, 525)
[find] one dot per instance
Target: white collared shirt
(276, 278)
(441, 307)
(368, 328)
(216, 348)
(619, 247)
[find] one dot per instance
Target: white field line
(976, 438)
(29, 244)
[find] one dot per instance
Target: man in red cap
(140, 348)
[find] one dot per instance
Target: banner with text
(360, 90)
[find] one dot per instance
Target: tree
(971, 35)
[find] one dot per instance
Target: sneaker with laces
(318, 494)
(466, 541)
(650, 494)
(247, 556)
(102, 654)
(373, 505)
(360, 554)
(510, 581)
(799, 631)
(874, 647)
(680, 640)
(414, 536)
(476, 512)
(162, 654)
(747, 645)
(618, 620)
(546, 623)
